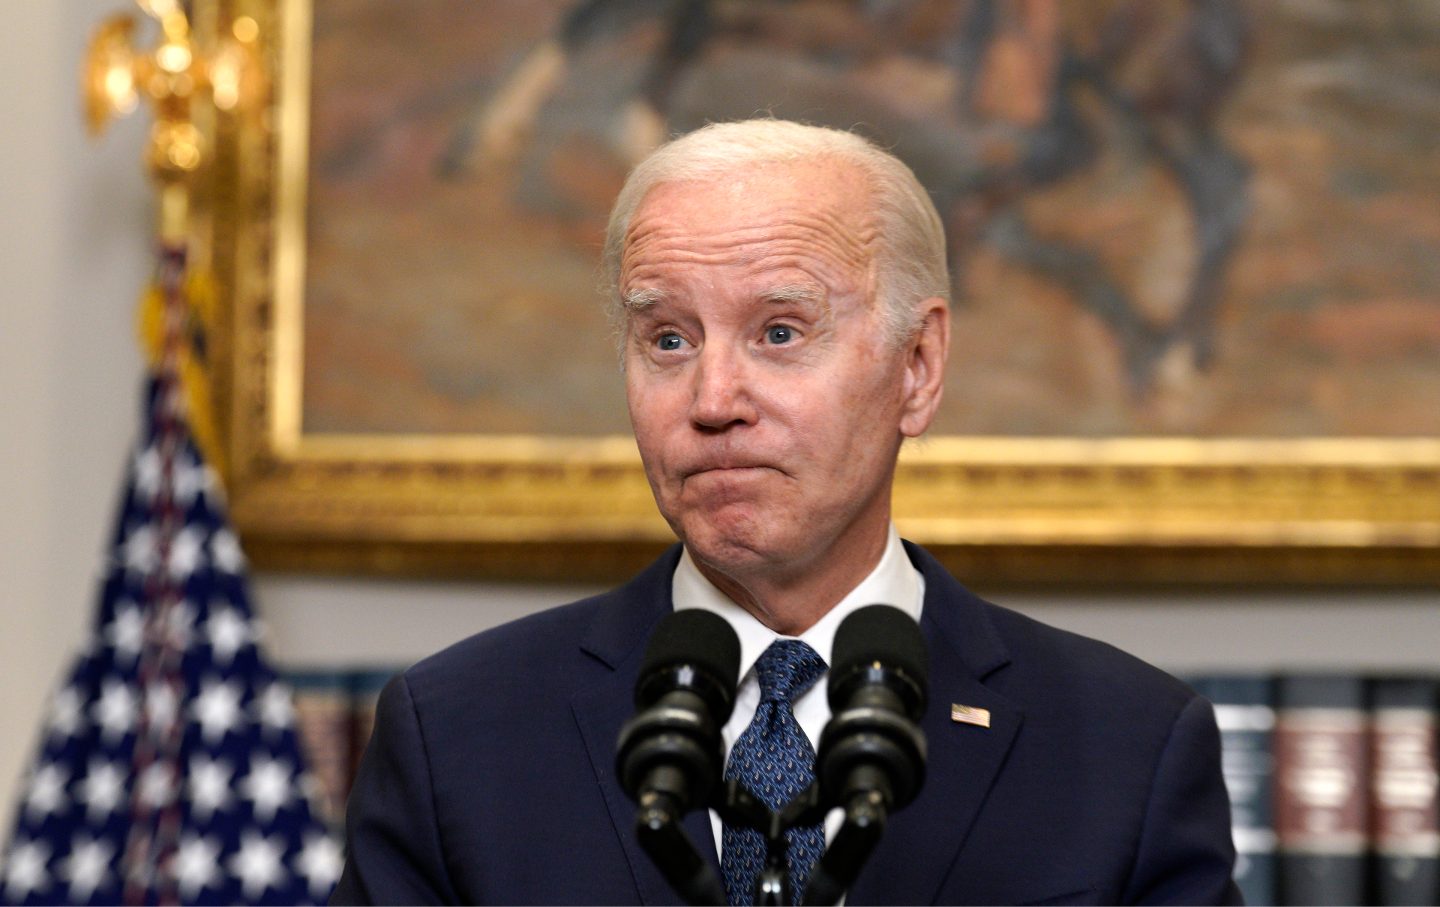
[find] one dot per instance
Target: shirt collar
(894, 581)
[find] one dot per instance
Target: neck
(792, 600)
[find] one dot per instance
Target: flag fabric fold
(169, 770)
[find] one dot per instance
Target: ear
(924, 379)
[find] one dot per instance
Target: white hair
(911, 258)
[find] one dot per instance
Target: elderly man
(781, 291)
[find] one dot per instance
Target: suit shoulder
(548, 653)
(1043, 666)
(1082, 667)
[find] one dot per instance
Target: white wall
(394, 622)
(74, 253)
(72, 257)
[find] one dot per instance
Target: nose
(721, 396)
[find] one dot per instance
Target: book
(1321, 789)
(324, 723)
(1245, 713)
(1405, 825)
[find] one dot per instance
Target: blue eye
(669, 341)
(778, 334)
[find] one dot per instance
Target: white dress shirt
(894, 581)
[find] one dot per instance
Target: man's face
(767, 402)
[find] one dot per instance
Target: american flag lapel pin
(969, 714)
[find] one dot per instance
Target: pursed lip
(725, 468)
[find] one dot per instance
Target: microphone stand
(739, 807)
(842, 861)
(663, 838)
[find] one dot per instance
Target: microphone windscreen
(695, 637)
(880, 633)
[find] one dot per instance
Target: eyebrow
(804, 293)
(635, 300)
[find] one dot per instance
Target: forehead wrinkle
(824, 230)
(824, 259)
(851, 242)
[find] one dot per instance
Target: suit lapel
(617, 640)
(921, 841)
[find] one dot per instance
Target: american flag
(169, 769)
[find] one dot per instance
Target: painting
(1193, 248)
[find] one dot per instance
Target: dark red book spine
(1322, 789)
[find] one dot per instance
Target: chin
(732, 547)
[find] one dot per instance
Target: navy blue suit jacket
(490, 777)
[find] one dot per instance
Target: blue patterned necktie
(773, 758)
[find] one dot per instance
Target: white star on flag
(115, 710)
(126, 631)
(257, 863)
(197, 865)
(86, 867)
(274, 708)
(191, 479)
(148, 469)
(25, 871)
(228, 632)
(268, 785)
(101, 789)
(217, 708)
(209, 786)
(225, 552)
(46, 793)
(140, 552)
(187, 553)
(157, 785)
(66, 713)
(320, 862)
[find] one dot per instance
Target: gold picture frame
(1026, 510)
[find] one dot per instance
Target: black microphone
(872, 753)
(877, 690)
(670, 756)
